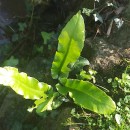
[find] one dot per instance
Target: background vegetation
(30, 42)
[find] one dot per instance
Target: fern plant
(67, 57)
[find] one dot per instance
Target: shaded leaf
(22, 26)
(46, 36)
(71, 42)
(79, 64)
(61, 89)
(11, 62)
(15, 37)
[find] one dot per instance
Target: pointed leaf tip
(71, 42)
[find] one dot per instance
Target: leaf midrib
(68, 48)
(87, 94)
(25, 86)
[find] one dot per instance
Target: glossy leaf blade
(88, 96)
(71, 42)
(22, 84)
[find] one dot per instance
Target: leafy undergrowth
(26, 52)
(119, 120)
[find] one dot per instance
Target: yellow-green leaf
(22, 84)
(87, 95)
(42, 105)
(71, 42)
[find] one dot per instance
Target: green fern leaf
(71, 42)
(22, 84)
(87, 95)
(43, 105)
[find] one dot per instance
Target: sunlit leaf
(87, 95)
(42, 105)
(22, 84)
(71, 42)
